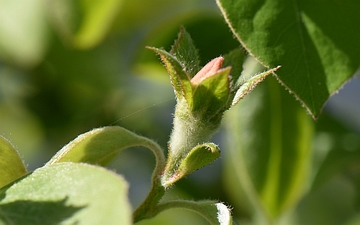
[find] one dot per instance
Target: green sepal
(83, 24)
(186, 53)
(102, 145)
(248, 85)
(198, 157)
(211, 95)
(180, 80)
(11, 165)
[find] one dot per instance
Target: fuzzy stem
(188, 132)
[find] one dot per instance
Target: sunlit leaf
(66, 193)
(102, 145)
(317, 51)
(11, 165)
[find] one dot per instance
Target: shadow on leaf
(28, 212)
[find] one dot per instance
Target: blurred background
(69, 66)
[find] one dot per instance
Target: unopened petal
(208, 70)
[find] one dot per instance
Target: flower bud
(208, 70)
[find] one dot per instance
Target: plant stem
(147, 209)
(157, 191)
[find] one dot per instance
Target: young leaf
(269, 138)
(317, 51)
(180, 80)
(187, 54)
(11, 165)
(66, 193)
(101, 145)
(247, 86)
(198, 157)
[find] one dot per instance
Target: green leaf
(11, 165)
(187, 54)
(332, 204)
(317, 51)
(214, 212)
(83, 23)
(180, 80)
(269, 138)
(101, 145)
(200, 156)
(66, 193)
(248, 85)
(23, 31)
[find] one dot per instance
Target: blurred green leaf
(337, 151)
(11, 165)
(66, 193)
(317, 51)
(84, 23)
(23, 31)
(214, 212)
(332, 204)
(102, 145)
(178, 217)
(269, 137)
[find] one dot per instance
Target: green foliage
(83, 23)
(69, 66)
(200, 156)
(100, 146)
(66, 193)
(316, 50)
(12, 167)
(272, 158)
(215, 213)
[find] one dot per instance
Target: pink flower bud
(208, 70)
